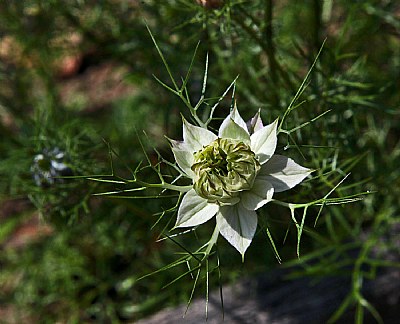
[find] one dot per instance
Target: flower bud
(223, 169)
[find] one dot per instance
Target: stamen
(223, 169)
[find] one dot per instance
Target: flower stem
(303, 205)
(164, 186)
(212, 241)
(268, 34)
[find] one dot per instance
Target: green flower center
(223, 169)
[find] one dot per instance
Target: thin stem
(301, 88)
(268, 35)
(163, 59)
(192, 111)
(212, 241)
(260, 41)
(315, 202)
(164, 185)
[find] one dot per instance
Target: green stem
(291, 205)
(268, 35)
(260, 41)
(212, 241)
(303, 205)
(316, 36)
(192, 111)
(164, 186)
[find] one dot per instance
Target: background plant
(98, 248)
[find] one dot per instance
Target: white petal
(237, 118)
(283, 173)
(260, 194)
(196, 137)
(263, 142)
(237, 225)
(185, 160)
(255, 124)
(194, 210)
(229, 129)
(180, 145)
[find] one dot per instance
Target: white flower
(233, 173)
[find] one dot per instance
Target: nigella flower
(48, 166)
(233, 173)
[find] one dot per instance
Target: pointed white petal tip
(283, 173)
(234, 114)
(237, 225)
(230, 129)
(255, 123)
(196, 137)
(263, 142)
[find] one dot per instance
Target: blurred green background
(74, 73)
